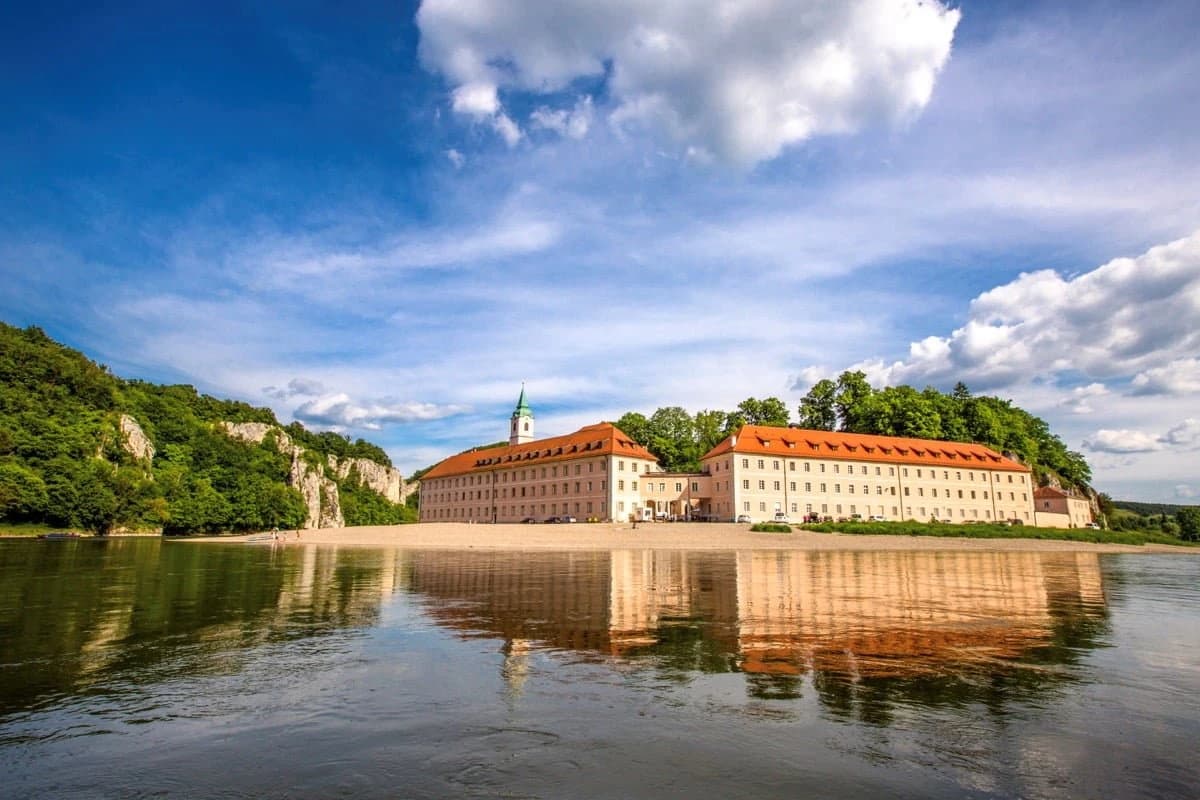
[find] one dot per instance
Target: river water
(146, 668)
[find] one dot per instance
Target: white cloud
(509, 131)
(573, 123)
(339, 411)
(456, 158)
(1181, 376)
(1184, 436)
(476, 99)
(1129, 316)
(1077, 401)
(1184, 491)
(1123, 441)
(741, 80)
(297, 387)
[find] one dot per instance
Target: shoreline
(657, 536)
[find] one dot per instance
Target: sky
(382, 218)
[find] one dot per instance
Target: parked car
(877, 518)
(781, 517)
(567, 518)
(743, 517)
(529, 520)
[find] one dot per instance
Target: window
(746, 505)
(837, 467)
(905, 471)
(678, 486)
(620, 486)
(906, 491)
(745, 463)
(792, 486)
(695, 486)
(850, 488)
(822, 488)
(794, 508)
(762, 506)
(745, 484)
(822, 468)
(762, 485)
(777, 486)
(775, 464)
(620, 466)
(837, 488)
(877, 470)
(792, 466)
(807, 487)
(620, 505)
(807, 467)
(760, 464)
(633, 485)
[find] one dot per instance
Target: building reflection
(845, 618)
(856, 626)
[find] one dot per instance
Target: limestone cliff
(312, 478)
(383, 480)
(135, 441)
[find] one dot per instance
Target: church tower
(521, 429)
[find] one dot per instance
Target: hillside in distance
(83, 448)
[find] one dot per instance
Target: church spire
(521, 428)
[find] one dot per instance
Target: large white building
(598, 472)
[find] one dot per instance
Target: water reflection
(866, 631)
(82, 616)
(870, 629)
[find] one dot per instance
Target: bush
(771, 527)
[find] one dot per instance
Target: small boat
(58, 535)
(259, 538)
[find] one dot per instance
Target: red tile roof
(603, 438)
(804, 443)
(1049, 493)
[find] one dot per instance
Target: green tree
(818, 408)
(673, 439)
(636, 427)
(710, 429)
(22, 493)
(1188, 520)
(769, 411)
(852, 401)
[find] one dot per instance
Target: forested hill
(850, 404)
(80, 447)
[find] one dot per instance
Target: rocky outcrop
(135, 441)
(383, 480)
(312, 480)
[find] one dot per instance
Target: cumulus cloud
(1129, 317)
(741, 80)
(1122, 441)
(1181, 376)
(1077, 402)
(573, 123)
(339, 411)
(1184, 491)
(1184, 436)
(455, 157)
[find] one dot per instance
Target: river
(134, 668)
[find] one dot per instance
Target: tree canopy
(62, 463)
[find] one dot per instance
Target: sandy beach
(662, 536)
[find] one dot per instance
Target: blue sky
(382, 217)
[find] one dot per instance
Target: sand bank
(662, 536)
